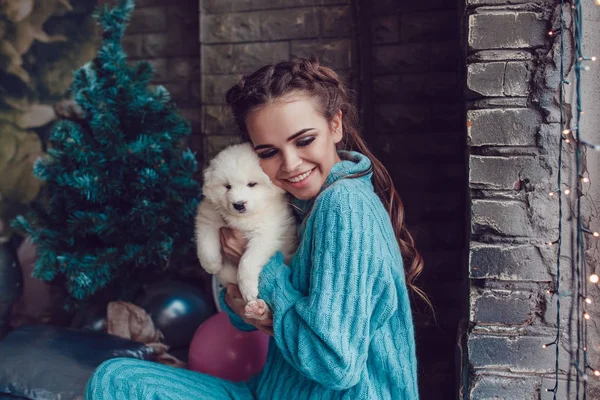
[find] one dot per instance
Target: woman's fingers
(234, 300)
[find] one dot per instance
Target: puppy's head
(236, 184)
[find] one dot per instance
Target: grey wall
(514, 135)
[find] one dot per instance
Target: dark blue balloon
(177, 309)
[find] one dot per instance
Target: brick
(184, 18)
(425, 87)
(184, 68)
(517, 79)
(398, 118)
(499, 78)
(412, 147)
(152, 19)
(511, 262)
(193, 116)
(561, 393)
(161, 72)
(132, 45)
(521, 354)
(504, 218)
(550, 300)
(336, 21)
(215, 144)
(387, 7)
(223, 6)
(244, 27)
(505, 307)
(506, 30)
(385, 29)
(299, 23)
(241, 58)
(214, 87)
(332, 53)
(495, 2)
(218, 121)
(429, 26)
(486, 79)
(505, 102)
(416, 57)
(389, 117)
(158, 45)
(503, 173)
(500, 55)
(507, 127)
(490, 387)
(179, 91)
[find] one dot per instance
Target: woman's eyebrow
(294, 136)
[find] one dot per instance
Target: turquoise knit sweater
(342, 321)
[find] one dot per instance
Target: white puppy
(239, 195)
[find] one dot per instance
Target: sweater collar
(351, 163)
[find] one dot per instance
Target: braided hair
(330, 95)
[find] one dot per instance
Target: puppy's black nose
(240, 205)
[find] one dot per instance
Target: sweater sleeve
(325, 334)
(235, 319)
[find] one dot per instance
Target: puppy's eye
(227, 186)
(252, 184)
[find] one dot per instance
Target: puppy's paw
(257, 309)
(248, 287)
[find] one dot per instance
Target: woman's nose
(291, 162)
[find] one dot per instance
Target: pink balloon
(220, 349)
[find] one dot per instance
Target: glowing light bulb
(551, 33)
(551, 193)
(567, 191)
(586, 315)
(588, 300)
(544, 346)
(596, 372)
(567, 140)
(595, 234)
(593, 58)
(594, 278)
(566, 131)
(586, 179)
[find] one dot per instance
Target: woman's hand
(234, 300)
(233, 244)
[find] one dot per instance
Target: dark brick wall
(414, 117)
(165, 33)
(238, 37)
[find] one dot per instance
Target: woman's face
(295, 143)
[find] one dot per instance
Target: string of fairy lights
(571, 136)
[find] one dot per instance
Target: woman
(341, 319)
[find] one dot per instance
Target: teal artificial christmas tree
(120, 196)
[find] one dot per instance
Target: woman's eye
(252, 184)
(305, 142)
(267, 154)
(227, 187)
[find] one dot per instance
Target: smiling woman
(296, 158)
(342, 324)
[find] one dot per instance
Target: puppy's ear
(208, 175)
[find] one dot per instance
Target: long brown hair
(324, 86)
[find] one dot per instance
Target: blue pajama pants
(132, 379)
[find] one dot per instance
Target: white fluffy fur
(267, 221)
